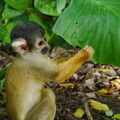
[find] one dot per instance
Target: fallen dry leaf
(105, 91)
(98, 105)
(66, 85)
(91, 95)
(104, 70)
(89, 83)
(79, 113)
(110, 72)
(118, 97)
(116, 84)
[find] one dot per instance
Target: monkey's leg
(46, 109)
(66, 69)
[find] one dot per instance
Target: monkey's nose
(45, 50)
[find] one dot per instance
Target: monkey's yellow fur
(26, 97)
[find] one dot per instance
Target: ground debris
(94, 81)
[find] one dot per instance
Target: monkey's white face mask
(40, 46)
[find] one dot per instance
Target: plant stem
(52, 38)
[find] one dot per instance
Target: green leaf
(3, 31)
(117, 116)
(34, 17)
(2, 84)
(2, 5)
(2, 73)
(50, 7)
(109, 113)
(18, 4)
(10, 13)
(58, 41)
(95, 23)
(9, 27)
(61, 5)
(2, 102)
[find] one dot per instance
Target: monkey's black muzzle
(45, 50)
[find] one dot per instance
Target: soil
(69, 100)
(75, 92)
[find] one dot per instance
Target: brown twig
(85, 102)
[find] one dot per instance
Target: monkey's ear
(20, 45)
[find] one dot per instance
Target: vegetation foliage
(82, 22)
(95, 23)
(44, 13)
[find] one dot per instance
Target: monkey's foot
(87, 52)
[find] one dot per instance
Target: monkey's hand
(86, 53)
(66, 69)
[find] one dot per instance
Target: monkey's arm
(66, 69)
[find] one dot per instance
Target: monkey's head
(28, 36)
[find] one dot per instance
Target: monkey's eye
(40, 43)
(45, 39)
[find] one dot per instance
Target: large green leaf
(2, 5)
(9, 27)
(50, 7)
(34, 17)
(95, 23)
(10, 13)
(18, 4)
(3, 31)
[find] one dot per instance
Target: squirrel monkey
(26, 98)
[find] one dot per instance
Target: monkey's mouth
(44, 50)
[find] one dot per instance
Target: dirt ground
(76, 92)
(69, 100)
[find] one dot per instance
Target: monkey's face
(41, 46)
(38, 46)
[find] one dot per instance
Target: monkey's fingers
(88, 51)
